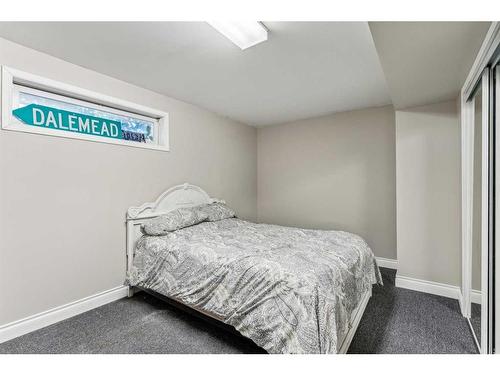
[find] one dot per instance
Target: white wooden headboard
(185, 195)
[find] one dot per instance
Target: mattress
(289, 290)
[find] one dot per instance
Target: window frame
(15, 81)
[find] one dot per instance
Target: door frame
(468, 129)
(496, 276)
(480, 73)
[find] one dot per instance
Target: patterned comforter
(290, 290)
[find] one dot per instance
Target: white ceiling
(426, 62)
(305, 69)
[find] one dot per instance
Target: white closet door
(497, 210)
(485, 209)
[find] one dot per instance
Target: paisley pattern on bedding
(290, 290)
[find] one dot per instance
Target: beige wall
(428, 192)
(332, 172)
(63, 201)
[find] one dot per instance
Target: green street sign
(53, 118)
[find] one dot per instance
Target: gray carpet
(475, 319)
(395, 321)
(404, 321)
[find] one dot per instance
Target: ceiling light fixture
(244, 34)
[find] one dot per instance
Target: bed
(289, 290)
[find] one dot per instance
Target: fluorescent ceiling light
(244, 34)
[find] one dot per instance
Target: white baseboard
(387, 263)
(430, 287)
(46, 318)
(475, 296)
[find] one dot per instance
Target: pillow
(174, 220)
(217, 211)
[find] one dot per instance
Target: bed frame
(187, 195)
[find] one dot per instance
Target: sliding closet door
(480, 184)
(476, 295)
(496, 273)
(481, 221)
(486, 212)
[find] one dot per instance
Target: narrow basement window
(37, 105)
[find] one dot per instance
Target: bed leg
(130, 292)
